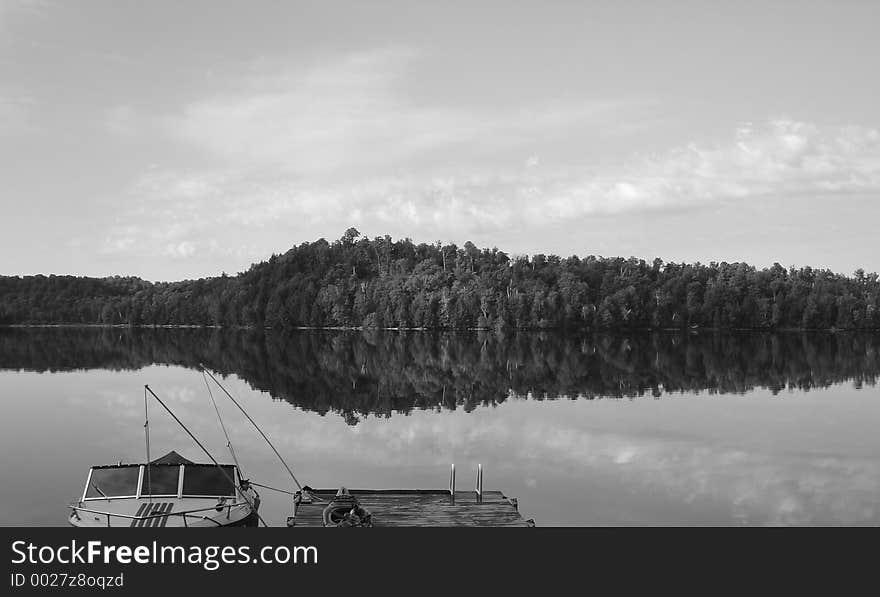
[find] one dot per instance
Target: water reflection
(768, 452)
(355, 374)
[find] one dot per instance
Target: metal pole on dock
(452, 480)
(478, 486)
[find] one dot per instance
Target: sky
(175, 140)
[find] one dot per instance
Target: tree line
(380, 373)
(384, 283)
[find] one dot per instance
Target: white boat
(170, 491)
(173, 491)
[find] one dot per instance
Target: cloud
(783, 158)
(292, 154)
(354, 114)
(180, 250)
(354, 120)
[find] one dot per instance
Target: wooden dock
(416, 508)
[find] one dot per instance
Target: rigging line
(222, 426)
(314, 497)
(257, 427)
(204, 449)
(272, 488)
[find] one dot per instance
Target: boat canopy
(168, 477)
(172, 457)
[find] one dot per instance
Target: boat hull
(166, 512)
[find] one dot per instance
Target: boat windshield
(199, 480)
(117, 481)
(160, 479)
(208, 480)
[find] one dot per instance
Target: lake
(631, 429)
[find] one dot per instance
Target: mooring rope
(272, 488)
(306, 490)
(257, 427)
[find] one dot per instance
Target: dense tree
(376, 283)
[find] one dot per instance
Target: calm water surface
(652, 429)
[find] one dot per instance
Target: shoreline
(424, 329)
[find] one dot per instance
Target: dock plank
(419, 508)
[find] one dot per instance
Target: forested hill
(356, 281)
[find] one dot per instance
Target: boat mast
(147, 439)
(204, 449)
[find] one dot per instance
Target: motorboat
(171, 491)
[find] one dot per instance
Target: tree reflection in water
(356, 373)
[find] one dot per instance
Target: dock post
(452, 481)
(478, 486)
